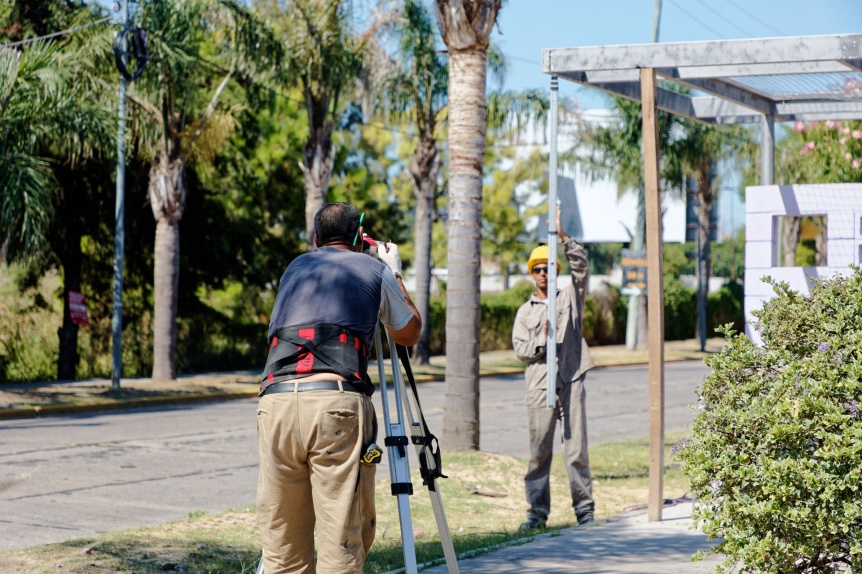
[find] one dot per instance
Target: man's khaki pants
(571, 412)
(310, 446)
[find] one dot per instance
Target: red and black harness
(296, 352)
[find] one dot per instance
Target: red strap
(307, 334)
(303, 366)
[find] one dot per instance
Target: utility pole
(119, 213)
(656, 21)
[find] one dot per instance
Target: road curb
(51, 410)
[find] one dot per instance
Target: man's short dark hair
(336, 223)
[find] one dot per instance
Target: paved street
(71, 476)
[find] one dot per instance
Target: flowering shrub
(829, 151)
(775, 459)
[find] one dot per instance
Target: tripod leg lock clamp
(402, 488)
(399, 441)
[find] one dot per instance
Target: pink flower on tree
(857, 134)
(856, 163)
(799, 127)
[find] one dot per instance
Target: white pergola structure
(804, 78)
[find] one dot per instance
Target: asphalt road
(74, 476)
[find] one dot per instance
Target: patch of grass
(230, 543)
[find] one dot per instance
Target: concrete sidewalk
(624, 544)
(24, 400)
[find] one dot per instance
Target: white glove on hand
(388, 253)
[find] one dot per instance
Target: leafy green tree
(324, 59)
(178, 120)
(59, 121)
(775, 459)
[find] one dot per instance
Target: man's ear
(359, 247)
(316, 240)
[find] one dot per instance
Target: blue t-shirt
(339, 287)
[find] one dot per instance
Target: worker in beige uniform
(529, 339)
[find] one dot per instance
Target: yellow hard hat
(539, 255)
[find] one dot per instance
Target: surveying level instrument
(396, 441)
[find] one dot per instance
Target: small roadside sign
(78, 309)
(634, 264)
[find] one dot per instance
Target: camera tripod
(427, 451)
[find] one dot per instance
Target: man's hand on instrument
(388, 253)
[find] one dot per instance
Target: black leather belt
(289, 387)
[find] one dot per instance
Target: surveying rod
(551, 344)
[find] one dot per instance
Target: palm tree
(614, 150)
(323, 61)
(178, 121)
(465, 27)
(416, 92)
(700, 149)
(40, 110)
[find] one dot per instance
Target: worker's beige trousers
(310, 445)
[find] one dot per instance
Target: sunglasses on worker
(540, 269)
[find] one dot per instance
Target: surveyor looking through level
(529, 339)
(315, 417)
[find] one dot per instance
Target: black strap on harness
(430, 444)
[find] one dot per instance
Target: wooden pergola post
(655, 293)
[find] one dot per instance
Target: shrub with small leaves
(775, 459)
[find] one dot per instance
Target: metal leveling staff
(315, 419)
(529, 339)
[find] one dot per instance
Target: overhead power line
(726, 19)
(56, 34)
(698, 20)
(755, 18)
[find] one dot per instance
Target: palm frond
(215, 134)
(26, 185)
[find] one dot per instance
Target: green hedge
(775, 460)
(605, 314)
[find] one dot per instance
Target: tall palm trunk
(467, 117)
(790, 239)
(705, 199)
(465, 26)
(820, 255)
(317, 165)
(424, 167)
(67, 359)
(167, 195)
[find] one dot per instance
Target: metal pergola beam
(704, 109)
(792, 50)
(733, 93)
(730, 71)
